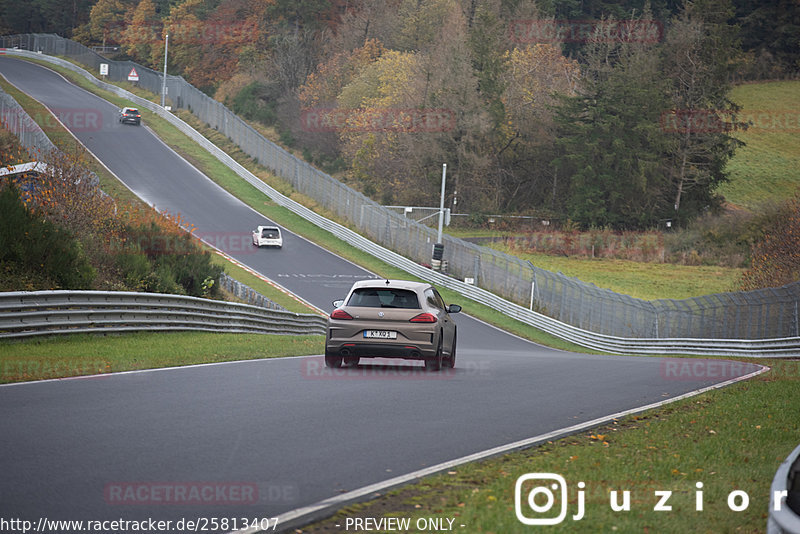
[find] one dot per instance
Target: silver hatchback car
(392, 319)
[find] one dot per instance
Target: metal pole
(533, 287)
(533, 282)
(441, 203)
(164, 80)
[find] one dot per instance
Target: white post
(164, 81)
(533, 286)
(441, 203)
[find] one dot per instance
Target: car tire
(333, 362)
(351, 361)
(435, 363)
(450, 361)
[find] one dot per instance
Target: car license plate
(380, 334)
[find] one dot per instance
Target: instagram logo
(540, 498)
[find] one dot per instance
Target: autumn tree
(436, 87)
(534, 79)
(207, 38)
(142, 33)
(107, 20)
(364, 21)
(421, 22)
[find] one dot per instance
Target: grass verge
(647, 281)
(732, 439)
(89, 354)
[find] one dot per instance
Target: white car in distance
(267, 236)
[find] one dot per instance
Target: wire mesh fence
(761, 314)
(33, 139)
(14, 119)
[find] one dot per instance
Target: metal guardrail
(784, 512)
(247, 293)
(36, 313)
(784, 346)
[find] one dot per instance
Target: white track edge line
(359, 493)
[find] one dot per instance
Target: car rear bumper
(381, 350)
(268, 242)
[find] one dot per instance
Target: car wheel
(450, 361)
(351, 361)
(435, 363)
(333, 361)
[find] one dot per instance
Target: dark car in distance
(392, 319)
(130, 115)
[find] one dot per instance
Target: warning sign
(133, 76)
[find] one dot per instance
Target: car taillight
(340, 314)
(423, 318)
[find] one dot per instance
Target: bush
(725, 239)
(776, 258)
(163, 260)
(35, 244)
(256, 101)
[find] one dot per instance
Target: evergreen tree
(611, 144)
(699, 58)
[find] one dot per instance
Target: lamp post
(438, 248)
(441, 203)
(164, 79)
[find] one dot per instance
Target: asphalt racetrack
(261, 438)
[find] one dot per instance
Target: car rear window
(270, 233)
(132, 111)
(369, 297)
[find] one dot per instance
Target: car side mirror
(453, 308)
(338, 303)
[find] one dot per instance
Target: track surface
(277, 425)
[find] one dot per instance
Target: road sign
(103, 69)
(133, 76)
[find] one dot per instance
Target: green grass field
(647, 281)
(767, 169)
